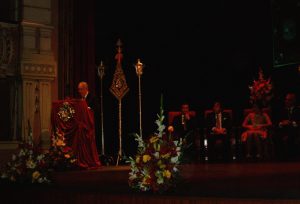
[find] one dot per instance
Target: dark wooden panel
(4, 110)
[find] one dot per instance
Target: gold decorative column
(38, 65)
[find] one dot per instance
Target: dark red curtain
(76, 46)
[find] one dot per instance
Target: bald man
(93, 104)
(83, 90)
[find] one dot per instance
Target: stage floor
(201, 183)
(236, 180)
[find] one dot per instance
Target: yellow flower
(137, 160)
(30, 164)
(162, 166)
(67, 156)
(167, 174)
(35, 175)
(153, 139)
(165, 156)
(159, 163)
(60, 143)
(146, 180)
(146, 158)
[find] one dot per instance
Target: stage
(201, 183)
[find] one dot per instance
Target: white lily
(40, 157)
(156, 155)
(160, 180)
(174, 159)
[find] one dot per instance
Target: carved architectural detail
(39, 69)
(34, 67)
(9, 42)
(37, 63)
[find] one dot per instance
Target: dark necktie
(218, 122)
(290, 110)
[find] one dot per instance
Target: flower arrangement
(155, 166)
(66, 112)
(261, 90)
(28, 166)
(60, 156)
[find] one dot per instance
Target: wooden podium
(76, 121)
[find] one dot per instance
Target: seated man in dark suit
(184, 123)
(185, 128)
(288, 123)
(218, 124)
(93, 104)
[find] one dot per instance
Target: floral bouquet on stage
(261, 90)
(60, 156)
(29, 165)
(155, 166)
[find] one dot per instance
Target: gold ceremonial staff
(119, 88)
(139, 71)
(101, 74)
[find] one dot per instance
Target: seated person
(256, 124)
(288, 125)
(218, 125)
(184, 127)
(184, 123)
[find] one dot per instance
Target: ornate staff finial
(119, 88)
(119, 55)
(139, 67)
(101, 70)
(101, 73)
(139, 71)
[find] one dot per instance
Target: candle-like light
(139, 67)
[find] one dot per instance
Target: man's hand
(255, 127)
(285, 123)
(187, 116)
(219, 131)
(294, 123)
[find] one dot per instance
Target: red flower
(261, 89)
(66, 149)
